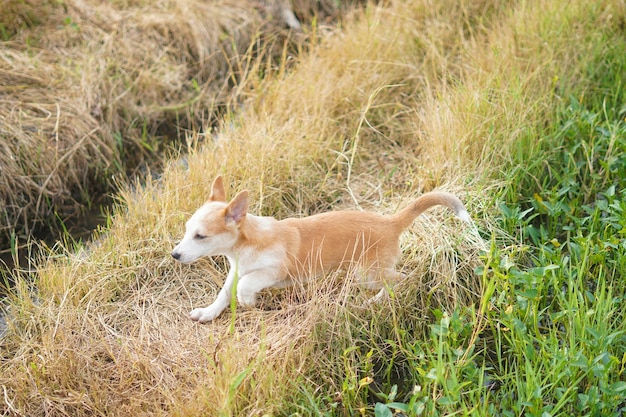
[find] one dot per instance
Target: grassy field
(518, 107)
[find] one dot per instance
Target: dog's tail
(406, 216)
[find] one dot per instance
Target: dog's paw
(206, 314)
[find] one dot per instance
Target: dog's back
(335, 239)
(370, 240)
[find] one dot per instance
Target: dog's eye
(199, 236)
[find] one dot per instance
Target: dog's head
(214, 228)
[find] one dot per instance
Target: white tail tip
(464, 215)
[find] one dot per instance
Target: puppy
(264, 252)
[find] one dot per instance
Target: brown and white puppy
(264, 252)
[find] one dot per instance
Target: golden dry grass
(92, 89)
(408, 97)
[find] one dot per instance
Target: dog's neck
(255, 232)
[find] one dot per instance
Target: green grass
(558, 315)
(550, 335)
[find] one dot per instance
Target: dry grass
(92, 89)
(409, 97)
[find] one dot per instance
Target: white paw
(383, 294)
(206, 314)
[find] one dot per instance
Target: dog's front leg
(250, 284)
(221, 302)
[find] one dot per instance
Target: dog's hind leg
(380, 279)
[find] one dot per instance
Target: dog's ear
(237, 208)
(217, 190)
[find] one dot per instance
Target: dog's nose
(175, 255)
